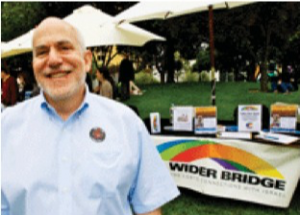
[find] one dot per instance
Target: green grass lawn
(158, 98)
(193, 203)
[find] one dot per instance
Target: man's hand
(155, 212)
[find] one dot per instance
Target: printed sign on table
(254, 172)
(183, 118)
(250, 118)
(283, 118)
(205, 120)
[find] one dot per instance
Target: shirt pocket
(97, 173)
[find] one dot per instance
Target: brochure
(205, 121)
(235, 135)
(155, 123)
(249, 118)
(277, 138)
(183, 118)
(283, 118)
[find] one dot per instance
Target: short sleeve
(153, 186)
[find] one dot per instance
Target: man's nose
(55, 59)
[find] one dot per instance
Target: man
(9, 89)
(69, 152)
(126, 74)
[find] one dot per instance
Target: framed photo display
(283, 118)
(249, 118)
(183, 118)
(205, 121)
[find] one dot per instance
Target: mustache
(49, 72)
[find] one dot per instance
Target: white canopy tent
(148, 10)
(3, 46)
(97, 29)
(17, 46)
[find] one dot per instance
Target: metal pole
(212, 56)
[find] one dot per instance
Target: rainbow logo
(249, 125)
(230, 158)
(250, 108)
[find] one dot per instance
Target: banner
(248, 171)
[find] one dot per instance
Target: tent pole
(212, 56)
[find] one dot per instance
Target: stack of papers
(235, 135)
(277, 138)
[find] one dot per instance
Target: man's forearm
(155, 212)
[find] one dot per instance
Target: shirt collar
(51, 111)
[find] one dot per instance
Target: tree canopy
(254, 33)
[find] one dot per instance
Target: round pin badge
(97, 134)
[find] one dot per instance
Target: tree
(258, 32)
(18, 17)
(182, 34)
(202, 60)
(255, 33)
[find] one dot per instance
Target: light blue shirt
(56, 167)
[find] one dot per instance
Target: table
(245, 170)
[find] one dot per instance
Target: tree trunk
(170, 61)
(160, 70)
(264, 66)
(162, 77)
(264, 77)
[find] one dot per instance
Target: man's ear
(88, 58)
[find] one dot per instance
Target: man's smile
(59, 74)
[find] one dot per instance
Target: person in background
(134, 89)
(292, 77)
(9, 89)
(273, 76)
(284, 81)
(126, 74)
(113, 84)
(105, 88)
(71, 152)
(89, 81)
(24, 85)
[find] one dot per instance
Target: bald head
(56, 24)
(60, 61)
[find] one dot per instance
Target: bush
(202, 60)
(191, 77)
(231, 77)
(204, 76)
(143, 77)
